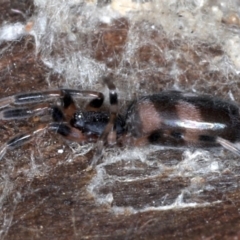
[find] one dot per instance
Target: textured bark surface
(45, 184)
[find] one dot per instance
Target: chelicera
(169, 118)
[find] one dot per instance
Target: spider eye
(79, 116)
(78, 120)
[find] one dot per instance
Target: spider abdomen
(177, 119)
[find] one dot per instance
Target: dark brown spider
(167, 118)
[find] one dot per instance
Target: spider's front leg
(39, 109)
(59, 115)
(44, 96)
(62, 128)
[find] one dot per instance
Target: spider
(169, 118)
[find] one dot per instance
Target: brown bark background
(47, 191)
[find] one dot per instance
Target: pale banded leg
(69, 107)
(38, 97)
(109, 132)
(228, 145)
(25, 112)
(63, 129)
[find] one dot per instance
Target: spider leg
(228, 145)
(109, 133)
(69, 108)
(94, 104)
(38, 110)
(20, 140)
(38, 97)
(25, 112)
(62, 128)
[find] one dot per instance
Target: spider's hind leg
(228, 145)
